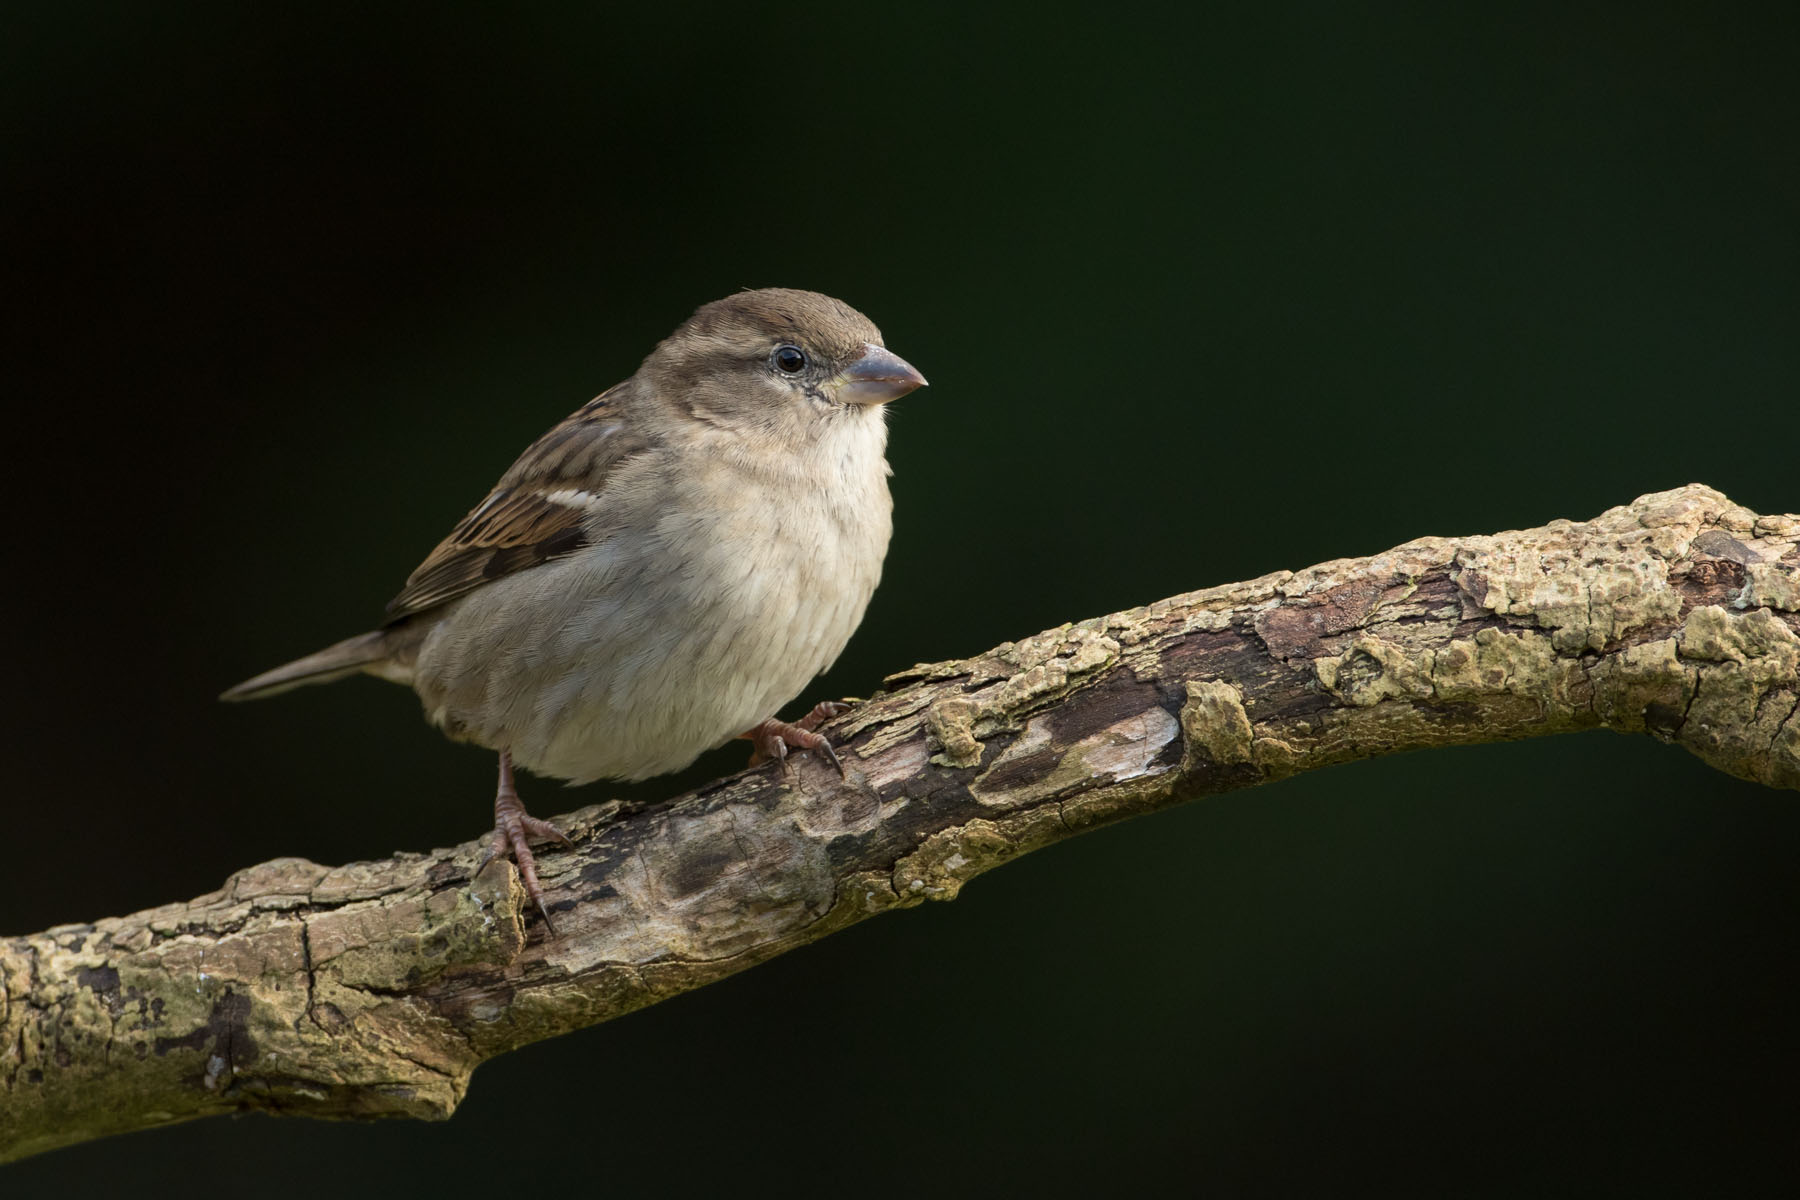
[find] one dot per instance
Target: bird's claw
(513, 830)
(772, 739)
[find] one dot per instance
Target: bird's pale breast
(717, 587)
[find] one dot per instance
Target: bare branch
(375, 989)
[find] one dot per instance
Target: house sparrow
(663, 570)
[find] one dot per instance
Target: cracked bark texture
(375, 989)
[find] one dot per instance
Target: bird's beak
(877, 377)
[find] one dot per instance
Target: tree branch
(375, 989)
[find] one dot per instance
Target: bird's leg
(772, 738)
(513, 830)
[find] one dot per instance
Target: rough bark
(374, 989)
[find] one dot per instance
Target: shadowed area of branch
(375, 989)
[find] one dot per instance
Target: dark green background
(1202, 295)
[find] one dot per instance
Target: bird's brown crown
(749, 325)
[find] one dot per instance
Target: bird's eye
(790, 359)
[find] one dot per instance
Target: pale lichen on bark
(375, 989)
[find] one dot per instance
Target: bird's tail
(364, 652)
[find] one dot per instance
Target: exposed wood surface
(375, 989)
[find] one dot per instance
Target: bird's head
(780, 360)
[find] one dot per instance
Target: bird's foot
(513, 830)
(822, 712)
(773, 737)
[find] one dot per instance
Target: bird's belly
(631, 660)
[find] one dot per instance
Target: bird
(663, 570)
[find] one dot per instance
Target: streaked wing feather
(536, 513)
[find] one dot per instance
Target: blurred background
(1203, 292)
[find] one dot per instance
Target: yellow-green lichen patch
(1274, 757)
(1372, 670)
(1644, 688)
(1741, 718)
(951, 724)
(1714, 635)
(1584, 604)
(1213, 719)
(1590, 584)
(1522, 663)
(1213, 608)
(950, 858)
(1045, 667)
(1770, 585)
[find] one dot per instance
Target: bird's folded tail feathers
(364, 652)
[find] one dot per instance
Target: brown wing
(537, 512)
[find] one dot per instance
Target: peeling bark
(375, 989)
